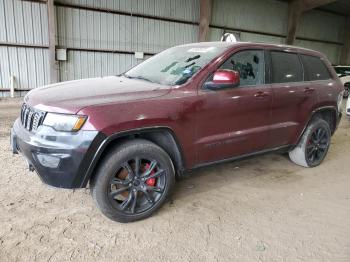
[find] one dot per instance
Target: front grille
(31, 118)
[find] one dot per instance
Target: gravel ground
(260, 209)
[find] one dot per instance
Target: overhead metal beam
(311, 4)
(204, 19)
(295, 10)
(52, 42)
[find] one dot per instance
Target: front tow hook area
(29, 166)
(15, 149)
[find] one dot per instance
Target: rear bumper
(61, 159)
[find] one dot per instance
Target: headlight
(62, 122)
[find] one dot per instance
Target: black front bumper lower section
(61, 159)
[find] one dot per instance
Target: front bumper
(61, 159)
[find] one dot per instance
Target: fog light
(51, 161)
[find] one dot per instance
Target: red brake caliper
(151, 181)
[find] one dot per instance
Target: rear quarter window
(286, 67)
(315, 69)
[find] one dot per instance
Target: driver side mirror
(223, 78)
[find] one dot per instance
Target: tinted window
(250, 65)
(286, 67)
(315, 69)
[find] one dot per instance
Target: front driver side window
(249, 64)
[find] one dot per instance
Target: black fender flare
(315, 112)
(180, 165)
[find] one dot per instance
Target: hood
(72, 96)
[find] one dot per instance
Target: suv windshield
(176, 65)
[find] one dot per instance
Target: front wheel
(313, 145)
(133, 181)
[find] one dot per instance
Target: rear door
(293, 97)
(319, 78)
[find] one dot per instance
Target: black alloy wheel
(317, 146)
(137, 186)
(133, 180)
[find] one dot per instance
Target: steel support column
(204, 19)
(52, 42)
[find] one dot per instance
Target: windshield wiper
(138, 77)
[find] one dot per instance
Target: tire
(347, 90)
(313, 145)
(126, 191)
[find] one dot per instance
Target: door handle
(261, 94)
(309, 90)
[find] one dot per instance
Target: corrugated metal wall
(23, 23)
(255, 15)
(86, 29)
(178, 9)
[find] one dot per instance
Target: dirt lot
(261, 209)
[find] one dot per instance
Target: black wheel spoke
(322, 135)
(117, 181)
(323, 146)
(155, 189)
(148, 196)
(311, 152)
(129, 169)
(155, 175)
(318, 133)
(311, 146)
(312, 156)
(134, 201)
(118, 191)
(137, 166)
(127, 201)
(150, 169)
(317, 154)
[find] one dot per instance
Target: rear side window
(286, 67)
(315, 69)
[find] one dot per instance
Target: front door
(235, 121)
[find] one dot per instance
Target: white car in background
(344, 76)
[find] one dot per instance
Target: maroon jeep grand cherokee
(128, 136)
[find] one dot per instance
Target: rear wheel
(133, 181)
(314, 144)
